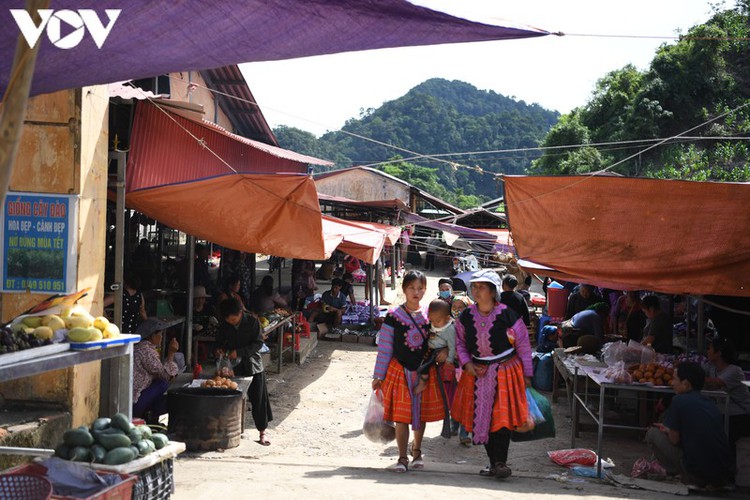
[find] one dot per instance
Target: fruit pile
(12, 341)
(78, 324)
(651, 373)
(109, 441)
(220, 383)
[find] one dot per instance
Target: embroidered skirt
(508, 409)
(398, 388)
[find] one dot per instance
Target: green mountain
(697, 88)
(437, 117)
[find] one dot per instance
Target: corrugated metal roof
(434, 200)
(239, 103)
(169, 149)
(272, 150)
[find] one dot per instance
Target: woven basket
(24, 487)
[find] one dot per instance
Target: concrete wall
(179, 84)
(64, 150)
(362, 185)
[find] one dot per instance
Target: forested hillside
(688, 84)
(687, 116)
(435, 118)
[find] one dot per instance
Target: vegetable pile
(110, 441)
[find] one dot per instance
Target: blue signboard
(39, 242)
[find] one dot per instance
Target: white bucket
(742, 478)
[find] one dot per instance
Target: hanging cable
(591, 175)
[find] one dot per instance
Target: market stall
(596, 384)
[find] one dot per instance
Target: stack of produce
(220, 383)
(651, 373)
(110, 441)
(73, 323)
(17, 340)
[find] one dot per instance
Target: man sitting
(691, 441)
(333, 303)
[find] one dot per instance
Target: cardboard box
(350, 337)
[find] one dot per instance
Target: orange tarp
(392, 233)
(364, 243)
(274, 214)
(661, 235)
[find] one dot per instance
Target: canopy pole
(376, 282)
(370, 290)
(16, 99)
(120, 158)
(189, 311)
(253, 270)
(688, 322)
(394, 265)
(701, 325)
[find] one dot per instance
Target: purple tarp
(153, 37)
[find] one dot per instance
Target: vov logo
(78, 21)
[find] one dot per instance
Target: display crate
(120, 491)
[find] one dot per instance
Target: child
(459, 303)
(442, 335)
(691, 441)
(548, 339)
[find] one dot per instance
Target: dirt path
(318, 450)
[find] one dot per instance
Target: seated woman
(266, 297)
(231, 290)
(151, 375)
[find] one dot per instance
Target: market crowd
(465, 358)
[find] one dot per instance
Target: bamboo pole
(16, 98)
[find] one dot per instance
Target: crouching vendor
(151, 375)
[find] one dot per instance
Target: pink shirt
(518, 331)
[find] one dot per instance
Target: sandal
(402, 465)
(417, 462)
(264, 439)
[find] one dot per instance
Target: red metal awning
(175, 149)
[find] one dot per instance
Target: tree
(688, 84)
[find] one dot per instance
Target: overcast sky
(320, 93)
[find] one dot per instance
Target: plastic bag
(534, 411)
(542, 430)
(375, 428)
(573, 456)
(224, 367)
(644, 467)
(630, 353)
(581, 471)
(618, 374)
